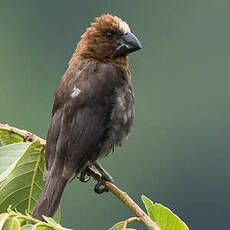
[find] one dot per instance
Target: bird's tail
(50, 198)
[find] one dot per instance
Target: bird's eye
(109, 34)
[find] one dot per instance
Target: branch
(123, 196)
(27, 136)
(128, 201)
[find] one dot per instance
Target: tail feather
(50, 198)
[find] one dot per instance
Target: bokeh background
(179, 151)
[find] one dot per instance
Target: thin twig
(128, 201)
(27, 136)
(123, 196)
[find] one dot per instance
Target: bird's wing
(80, 117)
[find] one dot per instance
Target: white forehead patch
(75, 92)
(124, 27)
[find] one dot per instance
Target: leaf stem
(28, 218)
(132, 219)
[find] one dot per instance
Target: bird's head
(108, 39)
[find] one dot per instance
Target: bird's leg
(106, 176)
(100, 186)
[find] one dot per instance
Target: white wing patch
(75, 92)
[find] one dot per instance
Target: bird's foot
(105, 176)
(84, 176)
(100, 174)
(100, 186)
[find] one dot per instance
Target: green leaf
(11, 223)
(119, 226)
(41, 226)
(57, 216)
(27, 227)
(149, 205)
(23, 185)
(53, 223)
(165, 218)
(7, 137)
(3, 218)
(9, 156)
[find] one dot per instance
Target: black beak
(126, 44)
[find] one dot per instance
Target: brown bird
(93, 109)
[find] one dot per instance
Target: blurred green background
(179, 151)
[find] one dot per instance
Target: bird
(93, 108)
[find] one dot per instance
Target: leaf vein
(38, 186)
(27, 162)
(15, 191)
(18, 176)
(33, 180)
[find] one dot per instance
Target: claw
(100, 186)
(84, 177)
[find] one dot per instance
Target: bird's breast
(123, 109)
(121, 117)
